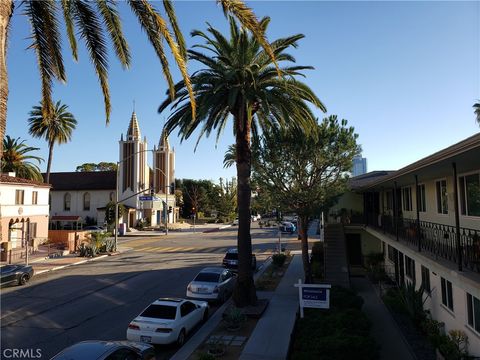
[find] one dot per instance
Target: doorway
(354, 249)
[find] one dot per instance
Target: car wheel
(181, 338)
(205, 316)
(23, 279)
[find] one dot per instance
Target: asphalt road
(97, 300)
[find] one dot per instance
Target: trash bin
(122, 229)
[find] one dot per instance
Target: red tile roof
(19, 181)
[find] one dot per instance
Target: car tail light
(215, 291)
(163, 330)
(133, 327)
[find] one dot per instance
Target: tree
(476, 106)
(16, 158)
(240, 79)
(309, 172)
(226, 199)
(101, 166)
(57, 128)
(91, 21)
(110, 212)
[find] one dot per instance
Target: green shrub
(279, 259)
(317, 270)
(342, 298)
(317, 252)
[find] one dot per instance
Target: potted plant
(234, 318)
(215, 346)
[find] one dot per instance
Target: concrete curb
(199, 337)
(68, 265)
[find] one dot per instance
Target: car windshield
(231, 256)
(207, 277)
(160, 312)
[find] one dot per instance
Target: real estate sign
(313, 296)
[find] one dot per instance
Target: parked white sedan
(167, 320)
(212, 283)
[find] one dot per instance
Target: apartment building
(425, 218)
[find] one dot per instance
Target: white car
(212, 283)
(167, 320)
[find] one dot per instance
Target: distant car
(212, 283)
(15, 274)
(94, 228)
(287, 227)
(230, 261)
(107, 350)
(167, 320)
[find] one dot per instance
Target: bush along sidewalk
(341, 332)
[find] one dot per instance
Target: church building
(147, 193)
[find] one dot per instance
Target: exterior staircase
(336, 264)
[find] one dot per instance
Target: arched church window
(67, 200)
(112, 196)
(86, 201)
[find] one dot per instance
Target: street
(98, 300)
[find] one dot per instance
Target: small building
(24, 215)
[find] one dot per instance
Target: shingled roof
(363, 180)
(88, 180)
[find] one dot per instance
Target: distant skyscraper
(359, 165)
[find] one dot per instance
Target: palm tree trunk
(304, 236)
(49, 163)
(6, 11)
(244, 293)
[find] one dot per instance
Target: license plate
(146, 339)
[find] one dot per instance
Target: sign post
(313, 296)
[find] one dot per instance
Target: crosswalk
(185, 249)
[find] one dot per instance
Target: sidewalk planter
(216, 347)
(234, 319)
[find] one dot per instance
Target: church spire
(163, 143)
(133, 132)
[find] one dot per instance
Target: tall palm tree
(91, 21)
(476, 106)
(16, 158)
(240, 80)
(230, 156)
(55, 129)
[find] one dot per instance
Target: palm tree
(230, 156)
(89, 20)
(241, 80)
(55, 129)
(15, 158)
(476, 106)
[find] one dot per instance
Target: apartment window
(34, 197)
(19, 197)
(422, 204)
(67, 199)
(389, 200)
(86, 201)
(469, 194)
(391, 253)
(447, 295)
(410, 268)
(442, 198)
(473, 312)
(426, 279)
(407, 199)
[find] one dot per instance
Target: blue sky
(404, 74)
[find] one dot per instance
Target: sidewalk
(271, 337)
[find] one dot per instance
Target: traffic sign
(147, 198)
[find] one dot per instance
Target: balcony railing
(437, 239)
